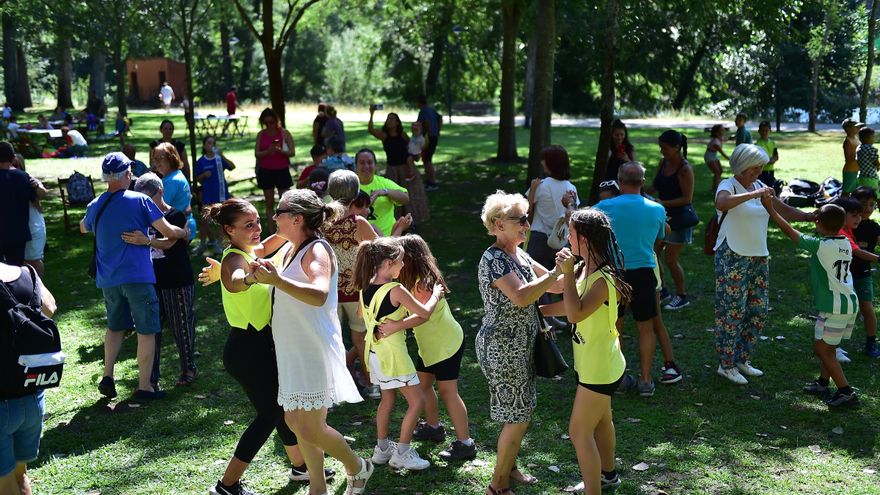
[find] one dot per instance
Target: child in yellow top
(590, 298)
(378, 264)
(441, 347)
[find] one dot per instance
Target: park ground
(702, 436)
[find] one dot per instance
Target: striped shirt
(829, 273)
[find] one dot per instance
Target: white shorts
(388, 382)
(832, 327)
(348, 312)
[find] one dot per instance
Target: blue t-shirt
(338, 162)
(637, 222)
(429, 115)
(214, 188)
(178, 196)
(119, 262)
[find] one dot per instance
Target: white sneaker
(408, 460)
(842, 357)
(383, 456)
(374, 392)
(747, 369)
(733, 375)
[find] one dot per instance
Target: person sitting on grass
(336, 158)
(833, 295)
(74, 144)
(867, 234)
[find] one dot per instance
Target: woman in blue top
(177, 192)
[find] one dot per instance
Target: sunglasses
(281, 211)
(608, 183)
(521, 220)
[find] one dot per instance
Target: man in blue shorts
(125, 272)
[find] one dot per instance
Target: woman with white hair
(742, 270)
(510, 283)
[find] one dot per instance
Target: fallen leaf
(555, 469)
(764, 337)
(678, 336)
(574, 489)
(868, 471)
(633, 420)
(710, 329)
(780, 337)
(480, 462)
(199, 396)
(228, 422)
(133, 405)
(531, 465)
(348, 439)
(356, 423)
(698, 404)
(815, 449)
(642, 466)
(218, 462)
(762, 435)
(565, 437)
(837, 430)
(783, 427)
(755, 397)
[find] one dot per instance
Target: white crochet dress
(308, 345)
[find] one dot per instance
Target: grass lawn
(701, 436)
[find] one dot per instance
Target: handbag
(558, 237)
(682, 217)
(712, 230)
(548, 360)
(93, 263)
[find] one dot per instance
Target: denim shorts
(21, 422)
(680, 236)
(864, 288)
(132, 306)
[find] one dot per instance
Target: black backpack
(30, 346)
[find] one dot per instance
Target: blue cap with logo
(115, 163)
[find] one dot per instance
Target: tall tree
(511, 13)
(440, 40)
(65, 69)
(273, 47)
(817, 49)
(181, 18)
(869, 63)
(606, 115)
(98, 74)
(544, 68)
(15, 81)
(225, 52)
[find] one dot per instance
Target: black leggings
(249, 356)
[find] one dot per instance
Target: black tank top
(386, 308)
(668, 186)
(395, 150)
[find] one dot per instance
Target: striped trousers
(177, 311)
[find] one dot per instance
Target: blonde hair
(498, 205)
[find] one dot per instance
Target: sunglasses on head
(282, 210)
(522, 220)
(608, 183)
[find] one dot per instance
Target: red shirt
(848, 233)
(231, 100)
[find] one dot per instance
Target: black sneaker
(236, 489)
(459, 451)
(815, 388)
(610, 482)
(300, 473)
(150, 394)
(107, 387)
(424, 431)
(841, 400)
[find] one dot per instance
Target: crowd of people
(340, 256)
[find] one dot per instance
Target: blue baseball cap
(115, 163)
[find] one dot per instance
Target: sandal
(364, 475)
(187, 379)
(522, 478)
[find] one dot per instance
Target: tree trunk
(529, 96)
(65, 71)
(246, 46)
(225, 53)
(511, 12)
(546, 48)
(777, 99)
(276, 84)
(441, 39)
(606, 114)
(686, 84)
(10, 61)
(190, 109)
(817, 65)
(869, 67)
(119, 66)
(98, 76)
(23, 89)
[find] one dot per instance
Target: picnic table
(210, 125)
(49, 133)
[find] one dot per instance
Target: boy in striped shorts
(833, 295)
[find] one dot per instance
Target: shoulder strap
(376, 302)
(101, 211)
(306, 243)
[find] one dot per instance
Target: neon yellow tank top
(440, 337)
(250, 307)
(391, 351)
(595, 344)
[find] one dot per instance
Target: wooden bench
(65, 201)
(472, 108)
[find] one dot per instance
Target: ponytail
(226, 213)
(676, 140)
(370, 255)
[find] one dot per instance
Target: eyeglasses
(522, 220)
(608, 183)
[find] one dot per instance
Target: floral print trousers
(741, 302)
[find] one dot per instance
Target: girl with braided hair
(591, 292)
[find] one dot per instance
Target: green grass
(703, 436)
